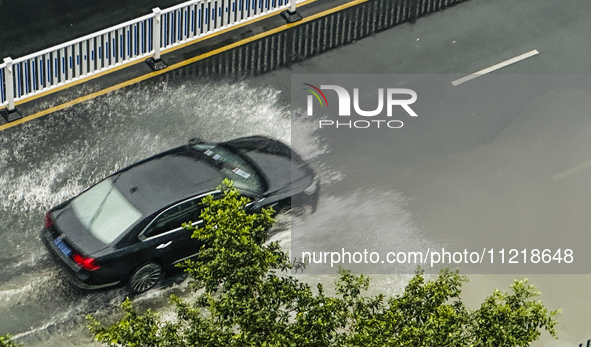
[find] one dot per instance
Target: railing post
(291, 15)
(156, 34)
(156, 62)
(10, 113)
(9, 83)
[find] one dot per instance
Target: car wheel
(145, 277)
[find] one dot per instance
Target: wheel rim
(145, 278)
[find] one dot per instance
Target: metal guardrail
(137, 39)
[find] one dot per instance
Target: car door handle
(164, 245)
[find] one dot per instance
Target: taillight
(86, 263)
(48, 220)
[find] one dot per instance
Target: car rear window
(104, 211)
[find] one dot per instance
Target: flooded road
(435, 197)
(486, 170)
(48, 161)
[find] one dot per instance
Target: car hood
(283, 169)
(282, 173)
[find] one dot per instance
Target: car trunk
(68, 227)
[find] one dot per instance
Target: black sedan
(127, 227)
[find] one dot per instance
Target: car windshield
(233, 167)
(104, 211)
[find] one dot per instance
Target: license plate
(59, 243)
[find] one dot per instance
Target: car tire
(145, 277)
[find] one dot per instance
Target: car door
(167, 239)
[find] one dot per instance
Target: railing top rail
(3, 65)
(179, 6)
(192, 2)
(105, 31)
(83, 38)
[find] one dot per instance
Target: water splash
(46, 161)
(49, 160)
(365, 219)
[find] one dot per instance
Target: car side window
(174, 217)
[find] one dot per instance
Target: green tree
(6, 341)
(246, 299)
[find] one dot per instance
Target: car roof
(166, 178)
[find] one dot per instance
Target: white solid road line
(495, 67)
(571, 171)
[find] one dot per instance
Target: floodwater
(48, 160)
(509, 171)
(506, 167)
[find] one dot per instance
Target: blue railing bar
(82, 39)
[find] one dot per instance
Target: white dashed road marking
(572, 171)
(495, 67)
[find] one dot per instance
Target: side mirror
(195, 141)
